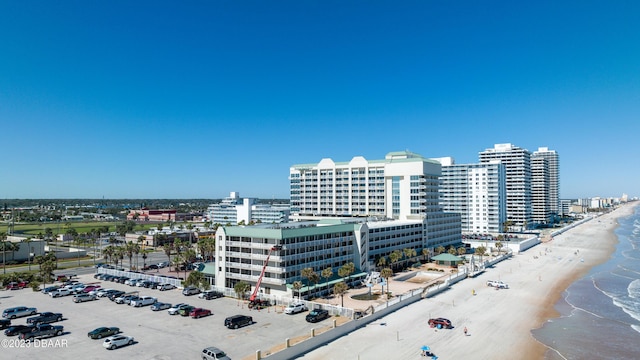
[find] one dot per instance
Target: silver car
(213, 353)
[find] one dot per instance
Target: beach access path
(499, 322)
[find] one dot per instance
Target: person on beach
(465, 331)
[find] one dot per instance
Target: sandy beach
(499, 322)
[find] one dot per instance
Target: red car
(90, 288)
(17, 285)
(199, 312)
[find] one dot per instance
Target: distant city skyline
(147, 100)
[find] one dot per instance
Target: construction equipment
(254, 302)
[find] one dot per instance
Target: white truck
(143, 301)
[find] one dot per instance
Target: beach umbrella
(425, 348)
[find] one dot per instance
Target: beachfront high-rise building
(233, 210)
(540, 206)
(517, 162)
(476, 192)
(548, 172)
(402, 186)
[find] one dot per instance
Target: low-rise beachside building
(328, 243)
(145, 214)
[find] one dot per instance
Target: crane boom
(264, 267)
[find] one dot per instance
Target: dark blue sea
(600, 313)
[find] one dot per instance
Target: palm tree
(386, 273)
(314, 278)
(340, 289)
(346, 270)
(409, 253)
(425, 253)
(241, 289)
(168, 248)
(306, 273)
(108, 253)
(499, 246)
(327, 273)
(129, 249)
(462, 250)
(394, 257)
(382, 261)
(481, 251)
(297, 285)
(452, 250)
(440, 249)
(144, 256)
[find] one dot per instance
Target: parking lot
(157, 334)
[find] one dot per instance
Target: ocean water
(600, 313)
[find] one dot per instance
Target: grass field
(33, 229)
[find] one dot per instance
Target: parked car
(4, 323)
(153, 267)
(295, 308)
(125, 299)
(199, 312)
(102, 292)
(115, 294)
(101, 332)
(213, 353)
(190, 290)
(440, 323)
(116, 341)
(49, 289)
(17, 285)
(210, 294)
(45, 318)
(236, 321)
(143, 301)
(497, 284)
(317, 315)
(90, 288)
(60, 292)
(42, 331)
(14, 330)
(163, 264)
(151, 284)
(165, 286)
(18, 311)
(160, 306)
(185, 311)
(175, 308)
(82, 297)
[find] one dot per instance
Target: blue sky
(195, 99)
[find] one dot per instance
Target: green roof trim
(446, 257)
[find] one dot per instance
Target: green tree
(340, 289)
(129, 249)
(197, 279)
(346, 270)
(306, 273)
(462, 250)
(452, 250)
(168, 248)
(409, 253)
(386, 273)
(425, 252)
(394, 257)
(382, 261)
(297, 285)
(47, 264)
(480, 251)
(440, 249)
(327, 273)
(314, 278)
(499, 246)
(241, 289)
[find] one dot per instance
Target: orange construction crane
(254, 295)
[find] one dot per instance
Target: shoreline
(607, 229)
(500, 322)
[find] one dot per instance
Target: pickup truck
(45, 318)
(41, 331)
(497, 284)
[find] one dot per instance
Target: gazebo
(447, 259)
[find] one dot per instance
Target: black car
(45, 318)
(4, 323)
(317, 315)
(116, 294)
(236, 321)
(14, 330)
(211, 294)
